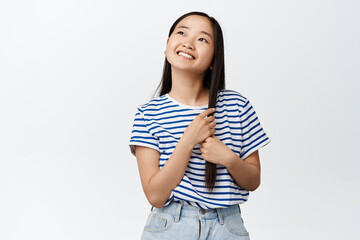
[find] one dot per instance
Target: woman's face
(190, 47)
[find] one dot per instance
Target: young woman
(196, 143)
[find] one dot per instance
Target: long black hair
(214, 80)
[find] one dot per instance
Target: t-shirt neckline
(184, 105)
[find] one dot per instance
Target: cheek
(171, 47)
(170, 51)
(208, 55)
(206, 51)
(173, 42)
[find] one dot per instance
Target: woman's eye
(203, 39)
(181, 33)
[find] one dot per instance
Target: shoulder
(155, 104)
(228, 95)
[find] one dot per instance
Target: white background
(73, 72)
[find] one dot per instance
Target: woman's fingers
(210, 119)
(206, 112)
(212, 124)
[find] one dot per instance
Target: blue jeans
(185, 222)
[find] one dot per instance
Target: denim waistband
(178, 209)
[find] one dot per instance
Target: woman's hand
(215, 151)
(200, 128)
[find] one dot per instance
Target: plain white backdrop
(72, 73)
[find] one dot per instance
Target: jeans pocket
(235, 224)
(158, 221)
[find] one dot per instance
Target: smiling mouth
(185, 55)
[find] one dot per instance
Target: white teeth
(185, 55)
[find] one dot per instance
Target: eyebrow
(206, 33)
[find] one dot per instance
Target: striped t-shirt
(160, 123)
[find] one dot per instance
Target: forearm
(245, 175)
(171, 174)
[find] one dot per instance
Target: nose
(188, 45)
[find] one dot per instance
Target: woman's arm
(158, 183)
(246, 173)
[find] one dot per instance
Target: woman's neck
(188, 88)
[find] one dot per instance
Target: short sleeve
(253, 135)
(140, 134)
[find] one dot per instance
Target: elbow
(253, 186)
(156, 201)
(255, 183)
(156, 197)
(157, 204)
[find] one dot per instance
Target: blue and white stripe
(160, 123)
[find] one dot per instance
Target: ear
(167, 41)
